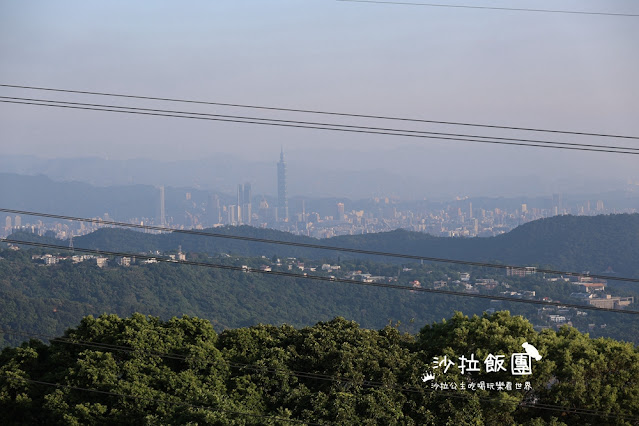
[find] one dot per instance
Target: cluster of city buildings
(102, 261)
(383, 214)
(592, 293)
(587, 291)
(448, 222)
(456, 219)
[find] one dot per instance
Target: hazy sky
(561, 71)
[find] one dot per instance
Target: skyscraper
(240, 194)
(557, 204)
(340, 212)
(213, 210)
(232, 215)
(282, 201)
(247, 211)
(243, 207)
(162, 211)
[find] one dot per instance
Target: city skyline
(459, 184)
(582, 68)
(282, 192)
(324, 218)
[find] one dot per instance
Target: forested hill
(578, 243)
(575, 243)
(141, 370)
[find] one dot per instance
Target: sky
(541, 70)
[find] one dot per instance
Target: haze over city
(248, 212)
(430, 63)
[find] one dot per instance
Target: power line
(109, 393)
(316, 376)
(157, 401)
(312, 246)
(128, 349)
(321, 278)
(302, 374)
(312, 123)
(302, 126)
(572, 12)
(324, 124)
(454, 123)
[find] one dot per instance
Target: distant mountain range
(607, 243)
(127, 201)
(352, 174)
(49, 299)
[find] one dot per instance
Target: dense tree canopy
(49, 299)
(182, 372)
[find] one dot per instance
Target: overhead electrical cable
(320, 278)
(157, 401)
(338, 129)
(306, 111)
(572, 12)
(173, 356)
(255, 367)
(309, 375)
(312, 246)
(328, 126)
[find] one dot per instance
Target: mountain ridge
(574, 243)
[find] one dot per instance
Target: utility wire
(312, 246)
(255, 367)
(321, 278)
(572, 12)
(379, 117)
(312, 123)
(316, 376)
(301, 126)
(157, 401)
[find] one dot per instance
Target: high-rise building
(162, 210)
(238, 211)
(7, 223)
(213, 210)
(264, 210)
(232, 215)
(340, 212)
(17, 221)
(282, 200)
(558, 203)
(243, 207)
(247, 210)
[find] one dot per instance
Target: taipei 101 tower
(282, 201)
